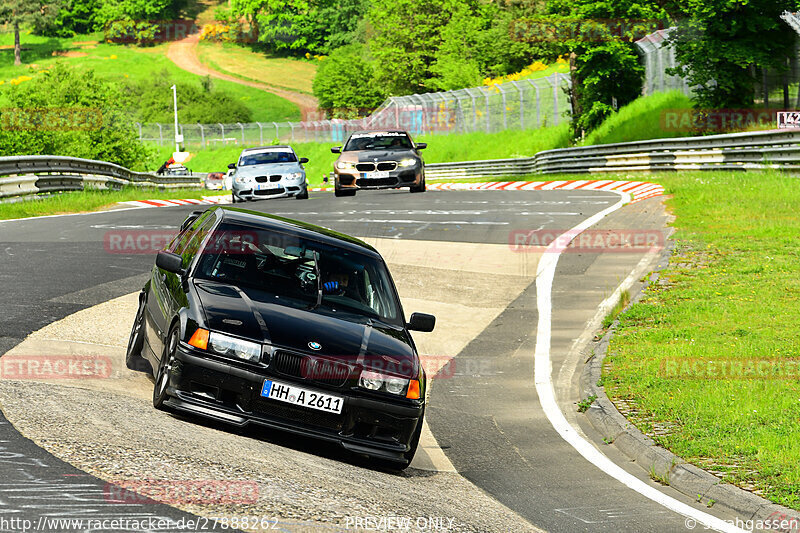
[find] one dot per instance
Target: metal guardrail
(26, 175)
(777, 149)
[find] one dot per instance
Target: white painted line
(544, 384)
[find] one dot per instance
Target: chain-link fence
(521, 104)
(658, 56)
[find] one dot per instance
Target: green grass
(120, 62)
(241, 62)
(441, 148)
(90, 200)
(732, 290)
(641, 119)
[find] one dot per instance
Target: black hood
(250, 313)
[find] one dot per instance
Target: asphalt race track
(483, 410)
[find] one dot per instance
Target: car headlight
(407, 162)
(239, 180)
(375, 381)
(344, 165)
(218, 343)
(294, 175)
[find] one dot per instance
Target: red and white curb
(638, 190)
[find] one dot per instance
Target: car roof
(378, 131)
(267, 221)
(268, 147)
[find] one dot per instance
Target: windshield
(295, 270)
(267, 158)
(378, 141)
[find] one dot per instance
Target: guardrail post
(202, 135)
(160, 135)
(260, 134)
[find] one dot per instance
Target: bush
(66, 112)
(196, 103)
(345, 83)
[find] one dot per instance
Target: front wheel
(418, 188)
(303, 195)
(162, 376)
(344, 192)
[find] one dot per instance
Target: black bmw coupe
(255, 319)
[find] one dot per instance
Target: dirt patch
(69, 53)
(79, 43)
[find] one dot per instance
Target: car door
(161, 298)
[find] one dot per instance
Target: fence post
(291, 125)
(277, 133)
(503, 93)
(488, 122)
(521, 105)
(140, 130)
(555, 100)
(202, 135)
(160, 134)
(538, 106)
(260, 134)
(223, 133)
(242, 128)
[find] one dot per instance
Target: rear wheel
(162, 376)
(133, 356)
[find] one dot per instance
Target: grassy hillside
(120, 62)
(285, 72)
(642, 119)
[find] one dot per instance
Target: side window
(190, 243)
(180, 241)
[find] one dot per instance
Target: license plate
(267, 186)
(374, 175)
(298, 396)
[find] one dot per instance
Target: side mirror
(336, 150)
(303, 160)
(422, 146)
(191, 218)
(231, 166)
(421, 322)
(170, 262)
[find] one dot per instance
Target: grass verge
(730, 293)
(90, 200)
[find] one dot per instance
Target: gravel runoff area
(108, 427)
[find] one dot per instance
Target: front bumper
(352, 179)
(283, 190)
(231, 393)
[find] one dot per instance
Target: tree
(70, 112)
(21, 12)
(719, 43)
(604, 63)
(345, 83)
(404, 37)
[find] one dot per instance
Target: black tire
(233, 198)
(162, 376)
(344, 192)
(420, 188)
(133, 355)
(303, 195)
